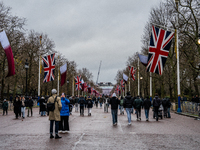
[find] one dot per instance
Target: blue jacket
(65, 107)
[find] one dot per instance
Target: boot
(57, 136)
(51, 136)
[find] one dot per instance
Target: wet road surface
(96, 132)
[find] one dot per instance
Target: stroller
(160, 111)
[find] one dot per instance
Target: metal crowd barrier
(190, 107)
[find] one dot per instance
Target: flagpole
(150, 86)
(39, 70)
(138, 78)
(58, 76)
(73, 86)
(178, 73)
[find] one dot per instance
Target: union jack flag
(92, 90)
(78, 82)
(122, 84)
(49, 67)
(85, 87)
(117, 89)
(160, 44)
(132, 72)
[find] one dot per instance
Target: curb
(186, 115)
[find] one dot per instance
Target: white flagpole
(39, 79)
(150, 86)
(178, 73)
(73, 86)
(138, 77)
(39, 70)
(58, 76)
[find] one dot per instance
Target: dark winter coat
(42, 104)
(89, 103)
(169, 104)
(17, 106)
(30, 103)
(138, 103)
(5, 105)
(114, 102)
(65, 107)
(82, 101)
(147, 103)
(164, 102)
(128, 102)
(156, 102)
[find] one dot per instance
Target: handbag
(51, 106)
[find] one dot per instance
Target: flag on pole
(7, 48)
(132, 72)
(85, 87)
(49, 67)
(89, 89)
(125, 77)
(117, 89)
(122, 84)
(92, 90)
(143, 59)
(63, 72)
(160, 44)
(78, 82)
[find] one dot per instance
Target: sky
(89, 31)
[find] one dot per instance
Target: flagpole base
(179, 110)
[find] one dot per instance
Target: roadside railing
(190, 108)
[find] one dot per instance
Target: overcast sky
(88, 31)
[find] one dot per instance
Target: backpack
(51, 106)
(81, 101)
(121, 102)
(89, 102)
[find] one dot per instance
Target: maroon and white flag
(6, 46)
(132, 72)
(63, 72)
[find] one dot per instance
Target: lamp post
(141, 86)
(26, 67)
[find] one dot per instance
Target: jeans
(165, 111)
(100, 105)
(81, 110)
(30, 111)
(128, 111)
(76, 107)
(43, 113)
(121, 109)
(23, 111)
(146, 113)
(5, 110)
(56, 126)
(156, 112)
(114, 115)
(138, 113)
(64, 123)
(168, 113)
(105, 107)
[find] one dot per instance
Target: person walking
(54, 116)
(76, 103)
(101, 101)
(17, 106)
(89, 106)
(64, 114)
(23, 107)
(81, 102)
(42, 106)
(168, 108)
(121, 105)
(138, 104)
(106, 102)
(128, 104)
(147, 105)
(156, 104)
(114, 102)
(165, 107)
(30, 106)
(5, 107)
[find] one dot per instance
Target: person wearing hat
(42, 106)
(54, 116)
(5, 107)
(114, 102)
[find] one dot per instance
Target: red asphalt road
(97, 132)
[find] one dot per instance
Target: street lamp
(26, 67)
(199, 40)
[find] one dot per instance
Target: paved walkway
(97, 133)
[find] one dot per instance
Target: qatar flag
(63, 72)
(6, 46)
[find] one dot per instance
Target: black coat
(114, 103)
(17, 106)
(164, 103)
(156, 102)
(89, 103)
(128, 102)
(42, 104)
(147, 103)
